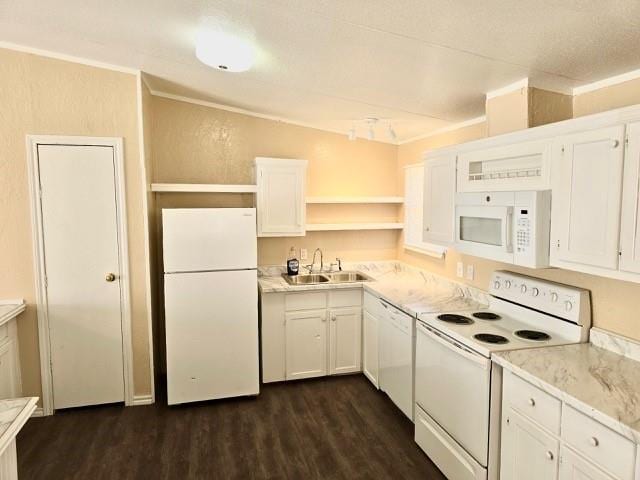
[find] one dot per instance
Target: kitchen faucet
(313, 261)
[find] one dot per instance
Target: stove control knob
(554, 297)
(523, 288)
(568, 305)
(507, 284)
(535, 292)
(496, 284)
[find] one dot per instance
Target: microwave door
(485, 231)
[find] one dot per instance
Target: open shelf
(202, 188)
(354, 200)
(326, 227)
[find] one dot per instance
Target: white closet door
(587, 187)
(80, 229)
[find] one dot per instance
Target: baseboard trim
(142, 400)
(38, 412)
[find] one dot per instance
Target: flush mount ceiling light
(224, 51)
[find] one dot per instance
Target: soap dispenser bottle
(293, 266)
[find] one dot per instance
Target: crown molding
(67, 58)
(607, 82)
(448, 128)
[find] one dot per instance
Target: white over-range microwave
(510, 227)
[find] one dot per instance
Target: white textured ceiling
(424, 64)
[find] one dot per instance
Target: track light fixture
(370, 124)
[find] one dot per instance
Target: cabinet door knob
(549, 454)
(532, 402)
(110, 277)
(594, 441)
(615, 143)
(333, 318)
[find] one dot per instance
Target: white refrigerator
(211, 303)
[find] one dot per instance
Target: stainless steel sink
(348, 277)
(308, 279)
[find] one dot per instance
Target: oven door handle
(485, 363)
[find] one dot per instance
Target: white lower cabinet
(310, 334)
(528, 452)
(538, 444)
(575, 467)
(306, 344)
(370, 347)
(345, 340)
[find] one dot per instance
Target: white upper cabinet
(516, 166)
(439, 199)
(587, 188)
(630, 223)
(280, 197)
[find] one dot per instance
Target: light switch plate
(460, 270)
(303, 254)
(470, 272)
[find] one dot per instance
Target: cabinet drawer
(600, 444)
(305, 301)
(541, 407)
(345, 298)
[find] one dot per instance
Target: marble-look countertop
(10, 309)
(598, 382)
(14, 413)
(411, 290)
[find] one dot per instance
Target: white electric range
(458, 390)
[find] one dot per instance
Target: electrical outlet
(460, 270)
(303, 254)
(470, 272)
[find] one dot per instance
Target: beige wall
(616, 96)
(507, 113)
(199, 144)
(615, 303)
(40, 95)
(525, 108)
(547, 107)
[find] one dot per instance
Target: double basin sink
(333, 277)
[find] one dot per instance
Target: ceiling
(423, 64)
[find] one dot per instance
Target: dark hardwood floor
(329, 428)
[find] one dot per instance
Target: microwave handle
(508, 241)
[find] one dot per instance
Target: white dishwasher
(396, 344)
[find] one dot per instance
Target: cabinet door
(630, 223)
(575, 467)
(281, 197)
(345, 340)
(9, 379)
(587, 187)
(306, 344)
(439, 198)
(370, 347)
(527, 451)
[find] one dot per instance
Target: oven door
(485, 231)
(453, 388)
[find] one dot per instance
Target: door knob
(110, 277)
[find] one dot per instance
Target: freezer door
(203, 239)
(211, 335)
